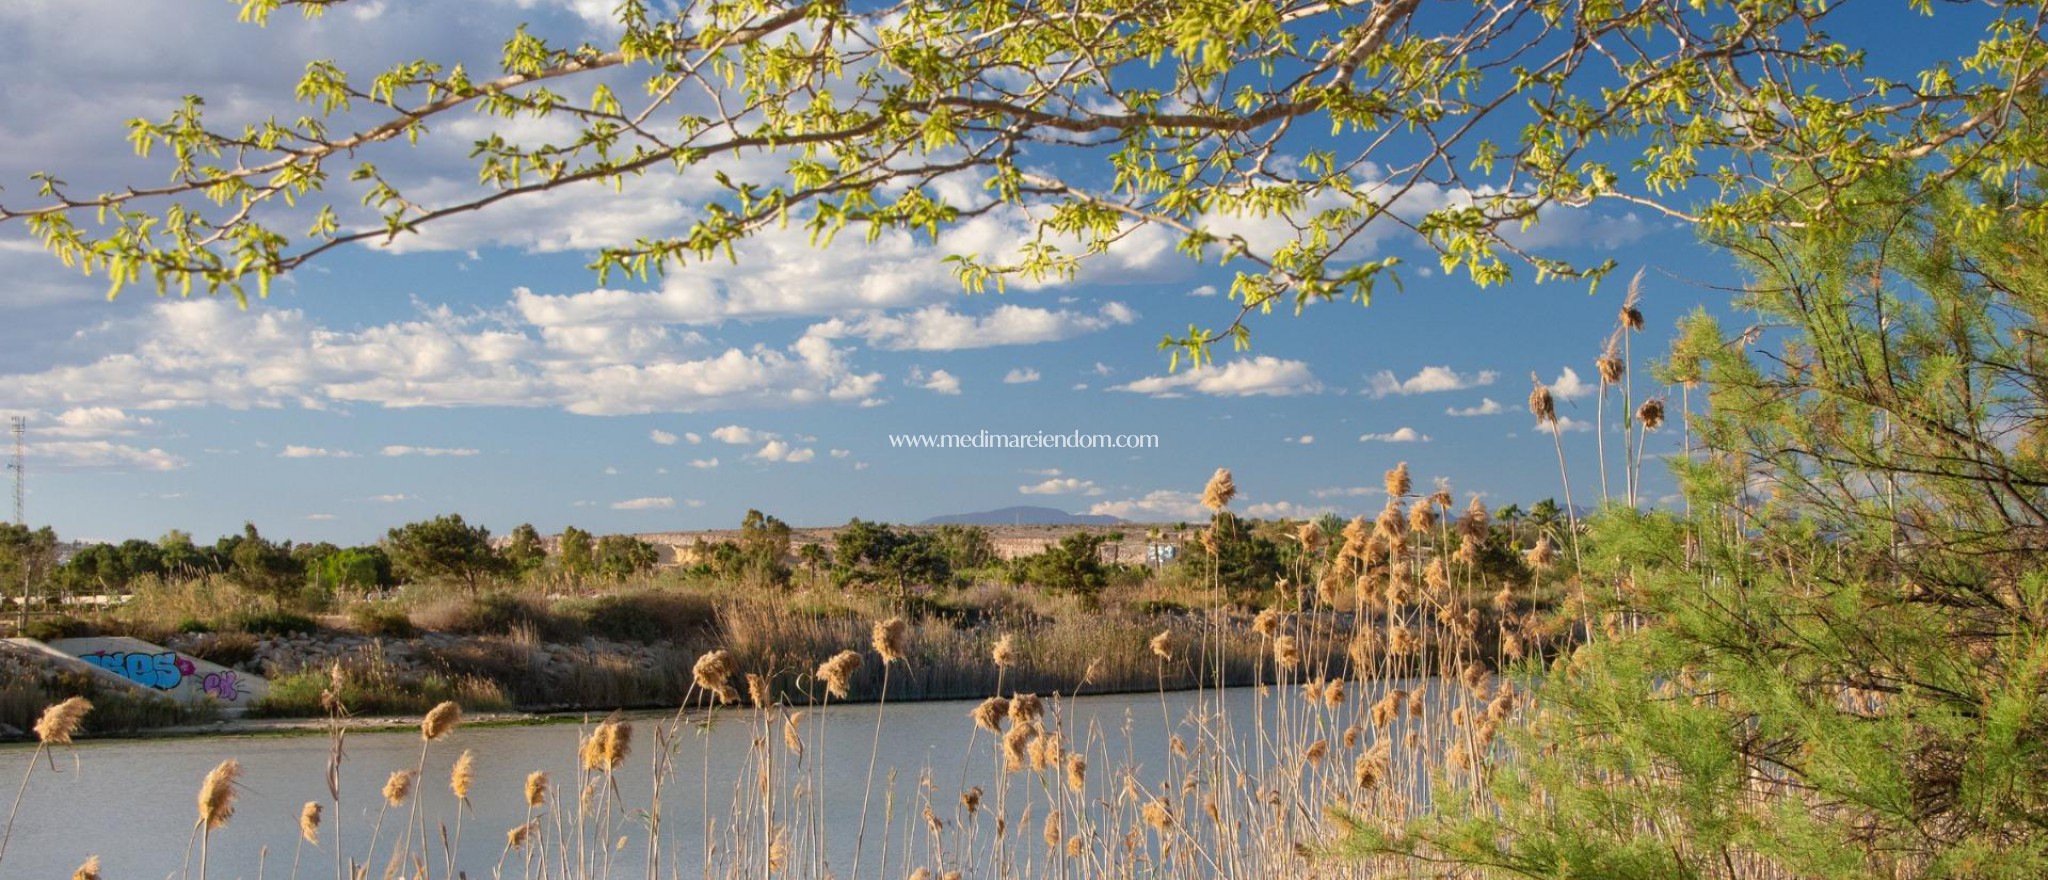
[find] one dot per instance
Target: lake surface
(133, 803)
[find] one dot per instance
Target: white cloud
(1566, 424)
(1163, 505)
(777, 450)
(81, 455)
(90, 422)
(645, 504)
(1347, 491)
(692, 502)
(392, 499)
(739, 436)
(314, 452)
(1427, 381)
(208, 353)
(320, 517)
(395, 451)
(1285, 510)
(1400, 435)
(841, 453)
(694, 437)
(1204, 290)
(1020, 376)
(661, 437)
(939, 328)
(1062, 486)
(1487, 407)
(1303, 440)
(937, 380)
(1568, 385)
(610, 471)
(1245, 377)
(704, 464)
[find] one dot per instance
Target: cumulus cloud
(1246, 377)
(314, 452)
(939, 381)
(1568, 385)
(396, 451)
(208, 353)
(1020, 376)
(89, 422)
(939, 328)
(1160, 506)
(662, 438)
(1204, 290)
(841, 453)
(1487, 406)
(694, 437)
(777, 450)
(1062, 486)
(84, 455)
(738, 435)
(662, 503)
(1285, 510)
(1428, 380)
(1400, 435)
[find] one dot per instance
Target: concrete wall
(165, 671)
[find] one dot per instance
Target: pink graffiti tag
(225, 685)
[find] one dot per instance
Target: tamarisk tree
(1289, 138)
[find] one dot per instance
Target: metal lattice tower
(20, 466)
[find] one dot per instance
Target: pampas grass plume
(441, 721)
(88, 871)
(888, 639)
(309, 822)
(536, 788)
(459, 779)
(217, 794)
(398, 787)
(837, 673)
(1220, 491)
(60, 721)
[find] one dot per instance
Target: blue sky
(482, 369)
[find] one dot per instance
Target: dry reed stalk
(441, 721)
(309, 823)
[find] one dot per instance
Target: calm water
(133, 803)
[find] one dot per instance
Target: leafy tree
(577, 553)
(964, 547)
(444, 549)
(27, 559)
(814, 558)
(261, 565)
(355, 568)
(873, 553)
(1074, 565)
(1832, 667)
(524, 550)
(94, 568)
(1245, 563)
(1460, 129)
(622, 556)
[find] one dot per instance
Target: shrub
(47, 628)
(271, 623)
(227, 649)
(642, 616)
(381, 622)
(495, 613)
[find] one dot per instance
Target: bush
(271, 623)
(48, 628)
(494, 613)
(381, 622)
(642, 617)
(227, 649)
(193, 625)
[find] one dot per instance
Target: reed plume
(1651, 414)
(1026, 708)
(1003, 654)
(536, 788)
(60, 721)
(1541, 404)
(516, 838)
(1077, 772)
(837, 673)
(792, 736)
(398, 787)
(309, 822)
(888, 639)
(1267, 622)
(1286, 654)
(217, 794)
(971, 799)
(88, 871)
(1220, 491)
(758, 691)
(989, 715)
(464, 773)
(606, 747)
(1159, 815)
(1371, 767)
(713, 673)
(1162, 644)
(441, 721)
(1397, 481)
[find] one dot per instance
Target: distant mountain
(1023, 516)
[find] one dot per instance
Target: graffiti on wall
(168, 670)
